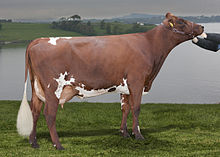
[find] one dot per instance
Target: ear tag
(171, 24)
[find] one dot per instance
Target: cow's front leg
(125, 108)
(135, 101)
(50, 111)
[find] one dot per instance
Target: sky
(46, 9)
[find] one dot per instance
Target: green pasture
(92, 129)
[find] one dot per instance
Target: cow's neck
(164, 40)
(161, 41)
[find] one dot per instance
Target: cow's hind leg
(125, 108)
(36, 105)
(50, 111)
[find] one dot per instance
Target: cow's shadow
(102, 132)
(79, 133)
(110, 138)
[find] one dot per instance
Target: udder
(67, 94)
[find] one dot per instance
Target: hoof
(58, 147)
(33, 142)
(34, 145)
(124, 133)
(139, 137)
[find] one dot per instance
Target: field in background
(30, 31)
(24, 32)
(91, 129)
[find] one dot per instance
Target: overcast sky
(43, 9)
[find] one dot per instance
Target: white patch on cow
(67, 37)
(61, 83)
(37, 90)
(138, 128)
(84, 93)
(48, 86)
(90, 93)
(144, 93)
(123, 88)
(53, 40)
(122, 103)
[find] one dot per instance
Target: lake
(189, 75)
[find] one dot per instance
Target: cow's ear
(169, 15)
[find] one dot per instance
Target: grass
(91, 129)
(29, 31)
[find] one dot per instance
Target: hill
(156, 19)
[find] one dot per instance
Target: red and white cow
(63, 67)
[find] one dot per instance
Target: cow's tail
(25, 118)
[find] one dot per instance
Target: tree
(116, 29)
(102, 24)
(54, 25)
(88, 23)
(74, 18)
(108, 28)
(135, 27)
(62, 19)
(74, 24)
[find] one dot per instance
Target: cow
(63, 67)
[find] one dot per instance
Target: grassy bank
(28, 31)
(91, 129)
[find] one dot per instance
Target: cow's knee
(50, 119)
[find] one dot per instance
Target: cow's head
(186, 29)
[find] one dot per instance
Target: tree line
(75, 24)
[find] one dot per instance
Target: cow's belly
(65, 90)
(91, 93)
(83, 93)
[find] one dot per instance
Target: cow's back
(88, 59)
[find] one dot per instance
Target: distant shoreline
(2, 43)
